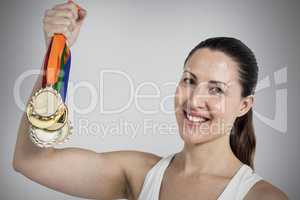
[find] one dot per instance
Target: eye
(215, 90)
(188, 81)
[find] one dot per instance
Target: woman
(213, 110)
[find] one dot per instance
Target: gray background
(149, 41)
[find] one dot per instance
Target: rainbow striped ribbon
(57, 65)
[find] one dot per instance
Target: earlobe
(246, 105)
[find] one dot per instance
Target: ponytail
(242, 139)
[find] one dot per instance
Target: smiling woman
(213, 106)
(222, 75)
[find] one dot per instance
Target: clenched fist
(65, 19)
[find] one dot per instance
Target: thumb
(81, 15)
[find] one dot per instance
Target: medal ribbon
(57, 65)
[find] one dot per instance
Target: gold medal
(65, 132)
(46, 102)
(46, 109)
(45, 138)
(44, 122)
(60, 122)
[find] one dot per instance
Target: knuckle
(69, 14)
(74, 8)
(72, 5)
(65, 22)
(73, 22)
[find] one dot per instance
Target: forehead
(209, 64)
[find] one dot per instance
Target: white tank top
(236, 189)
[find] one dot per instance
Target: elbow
(16, 164)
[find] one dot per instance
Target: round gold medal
(42, 137)
(46, 109)
(60, 122)
(45, 138)
(65, 132)
(46, 102)
(44, 122)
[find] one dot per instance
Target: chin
(193, 137)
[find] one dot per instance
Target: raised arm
(75, 171)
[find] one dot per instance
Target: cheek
(221, 113)
(223, 106)
(181, 95)
(217, 106)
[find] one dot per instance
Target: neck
(213, 157)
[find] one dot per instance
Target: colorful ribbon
(57, 64)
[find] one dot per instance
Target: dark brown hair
(242, 137)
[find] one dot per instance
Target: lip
(192, 124)
(196, 114)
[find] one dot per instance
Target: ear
(246, 105)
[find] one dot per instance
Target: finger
(60, 21)
(70, 5)
(82, 14)
(60, 13)
(59, 29)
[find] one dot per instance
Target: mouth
(193, 119)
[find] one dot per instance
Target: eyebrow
(210, 81)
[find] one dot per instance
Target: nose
(198, 98)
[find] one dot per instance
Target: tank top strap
(249, 180)
(151, 186)
(240, 184)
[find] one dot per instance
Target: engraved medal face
(46, 102)
(46, 109)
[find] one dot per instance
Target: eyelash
(219, 90)
(188, 81)
(211, 90)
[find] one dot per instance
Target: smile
(192, 119)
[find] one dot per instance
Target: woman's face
(208, 97)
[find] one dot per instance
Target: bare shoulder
(136, 164)
(265, 190)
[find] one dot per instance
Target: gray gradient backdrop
(148, 41)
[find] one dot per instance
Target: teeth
(196, 119)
